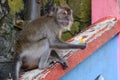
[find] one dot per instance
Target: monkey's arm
(58, 44)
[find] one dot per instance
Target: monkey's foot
(58, 60)
(63, 63)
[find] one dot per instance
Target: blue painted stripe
(103, 61)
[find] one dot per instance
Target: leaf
(15, 6)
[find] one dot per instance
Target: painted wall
(119, 56)
(103, 61)
(103, 8)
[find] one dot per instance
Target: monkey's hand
(83, 45)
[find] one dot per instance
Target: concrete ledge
(96, 35)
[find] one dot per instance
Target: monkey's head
(64, 16)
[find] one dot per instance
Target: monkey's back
(31, 33)
(30, 38)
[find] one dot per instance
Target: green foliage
(15, 6)
(66, 36)
(57, 2)
(82, 9)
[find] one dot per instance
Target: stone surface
(7, 39)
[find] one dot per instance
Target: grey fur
(39, 37)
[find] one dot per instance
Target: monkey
(40, 37)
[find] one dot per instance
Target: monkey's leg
(55, 57)
(16, 68)
(43, 59)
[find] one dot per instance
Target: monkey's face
(64, 18)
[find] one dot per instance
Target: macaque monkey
(41, 36)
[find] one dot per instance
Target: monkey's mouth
(65, 23)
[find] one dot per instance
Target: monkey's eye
(68, 11)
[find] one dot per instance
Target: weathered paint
(103, 61)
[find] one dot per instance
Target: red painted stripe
(119, 57)
(80, 55)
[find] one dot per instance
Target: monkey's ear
(52, 10)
